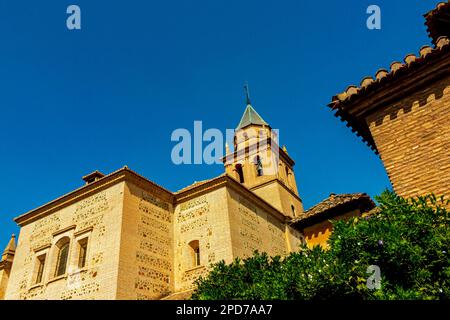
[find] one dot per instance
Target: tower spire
(250, 115)
(247, 93)
(10, 249)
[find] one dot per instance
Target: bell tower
(259, 164)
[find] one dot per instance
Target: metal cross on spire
(247, 93)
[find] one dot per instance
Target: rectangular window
(82, 252)
(197, 256)
(40, 268)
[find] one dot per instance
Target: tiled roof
(335, 202)
(438, 21)
(198, 183)
(383, 78)
(110, 178)
(372, 212)
(249, 117)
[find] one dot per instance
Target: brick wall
(413, 138)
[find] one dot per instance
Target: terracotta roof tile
(384, 78)
(335, 202)
(438, 21)
(368, 82)
(198, 183)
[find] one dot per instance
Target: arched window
(259, 167)
(195, 252)
(293, 209)
(240, 173)
(62, 247)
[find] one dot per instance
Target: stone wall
(203, 218)
(146, 253)
(97, 217)
(253, 228)
(280, 197)
(142, 244)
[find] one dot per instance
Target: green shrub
(407, 239)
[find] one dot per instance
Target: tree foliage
(407, 239)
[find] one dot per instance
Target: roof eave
(364, 203)
(354, 105)
(83, 192)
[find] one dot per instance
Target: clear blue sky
(111, 94)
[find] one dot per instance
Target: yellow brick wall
(98, 216)
(253, 228)
(294, 239)
(287, 199)
(146, 251)
(280, 198)
(271, 193)
(204, 218)
(413, 138)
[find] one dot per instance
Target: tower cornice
(254, 146)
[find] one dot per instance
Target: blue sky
(111, 94)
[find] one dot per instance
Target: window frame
(195, 253)
(63, 242)
(82, 244)
(39, 267)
